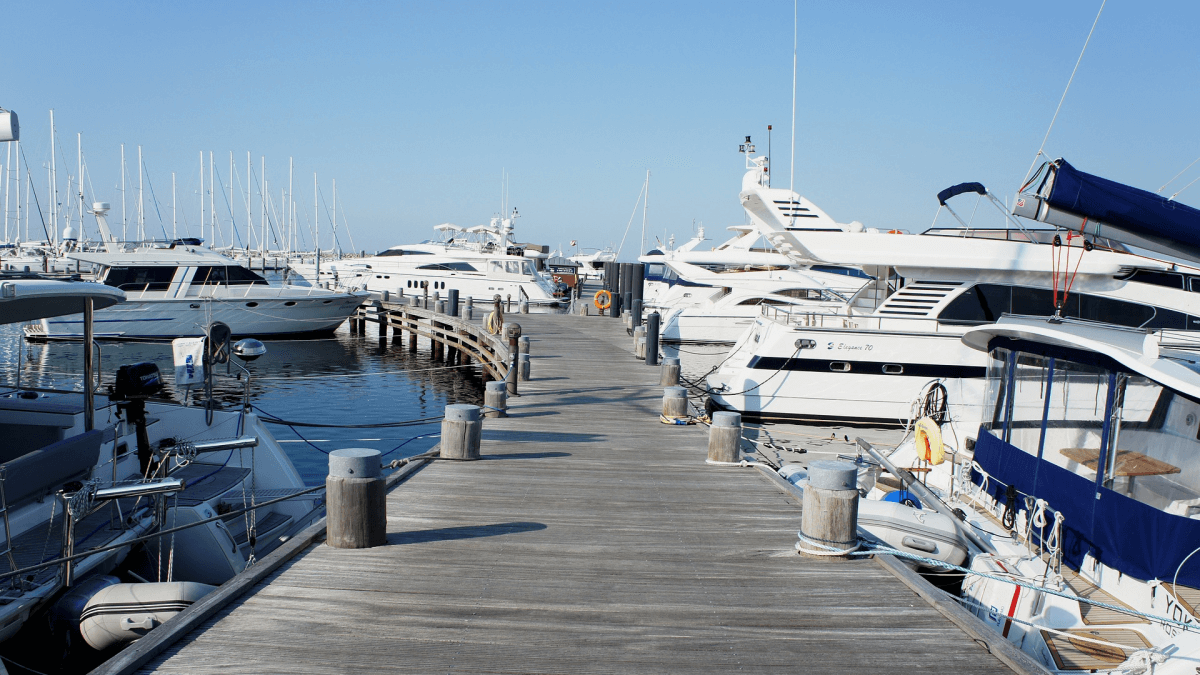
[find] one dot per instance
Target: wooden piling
(495, 400)
(830, 515)
(725, 437)
(461, 432)
(675, 402)
(670, 372)
(354, 499)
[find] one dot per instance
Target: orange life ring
(607, 300)
(895, 231)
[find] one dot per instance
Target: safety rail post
(356, 510)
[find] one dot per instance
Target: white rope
(1064, 94)
(822, 548)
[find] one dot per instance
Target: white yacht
(179, 291)
(480, 263)
(703, 306)
(93, 477)
(592, 261)
(900, 334)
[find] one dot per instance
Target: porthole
(840, 366)
(252, 304)
(290, 303)
(893, 369)
(326, 302)
(194, 306)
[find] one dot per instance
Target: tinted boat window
(140, 278)
(209, 276)
(242, 276)
(1167, 279)
(449, 267)
(985, 303)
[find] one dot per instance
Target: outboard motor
(136, 383)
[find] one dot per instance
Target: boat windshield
(1093, 418)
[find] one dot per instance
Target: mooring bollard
(639, 342)
(414, 301)
(829, 522)
(614, 309)
(725, 437)
(470, 308)
(524, 307)
(636, 312)
(585, 309)
(523, 344)
(675, 401)
(652, 339)
(461, 431)
(670, 372)
(382, 315)
(495, 399)
(513, 331)
(356, 510)
(439, 306)
(385, 296)
(523, 366)
(452, 301)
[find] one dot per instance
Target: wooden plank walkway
(591, 538)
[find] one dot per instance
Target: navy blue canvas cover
(1123, 206)
(1123, 533)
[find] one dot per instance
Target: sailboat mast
(17, 152)
(645, 207)
(141, 200)
(249, 213)
(124, 218)
(317, 231)
(174, 214)
(201, 195)
(335, 216)
(290, 209)
(79, 142)
(212, 199)
(262, 221)
(53, 185)
(7, 185)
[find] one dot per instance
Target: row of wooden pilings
(355, 486)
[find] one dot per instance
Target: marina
(589, 536)
(904, 395)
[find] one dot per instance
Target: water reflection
(343, 380)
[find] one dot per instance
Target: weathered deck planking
(591, 538)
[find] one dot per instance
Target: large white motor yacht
(899, 335)
(479, 262)
(177, 292)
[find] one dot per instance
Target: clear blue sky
(416, 108)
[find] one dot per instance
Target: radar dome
(69, 234)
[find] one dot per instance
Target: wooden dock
(591, 538)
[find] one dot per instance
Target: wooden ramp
(590, 539)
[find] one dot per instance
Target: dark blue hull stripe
(926, 370)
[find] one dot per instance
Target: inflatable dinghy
(125, 612)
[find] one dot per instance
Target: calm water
(343, 380)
